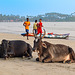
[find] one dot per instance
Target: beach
(19, 66)
(22, 22)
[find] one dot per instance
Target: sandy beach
(19, 66)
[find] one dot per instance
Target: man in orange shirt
(27, 24)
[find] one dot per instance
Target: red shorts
(39, 31)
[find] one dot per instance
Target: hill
(47, 17)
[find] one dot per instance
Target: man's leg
(27, 36)
(35, 35)
(27, 33)
(40, 35)
(35, 31)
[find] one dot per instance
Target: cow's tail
(72, 53)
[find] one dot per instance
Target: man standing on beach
(39, 27)
(27, 24)
(35, 27)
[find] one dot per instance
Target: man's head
(40, 20)
(35, 21)
(27, 19)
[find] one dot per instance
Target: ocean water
(55, 27)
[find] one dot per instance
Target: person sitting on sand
(35, 27)
(27, 24)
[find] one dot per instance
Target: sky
(36, 7)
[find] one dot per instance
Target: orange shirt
(27, 24)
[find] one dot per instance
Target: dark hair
(40, 19)
(35, 20)
(27, 18)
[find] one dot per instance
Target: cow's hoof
(68, 61)
(37, 59)
(23, 57)
(6, 58)
(29, 57)
(43, 61)
(64, 62)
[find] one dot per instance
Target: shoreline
(70, 37)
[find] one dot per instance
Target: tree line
(11, 18)
(47, 17)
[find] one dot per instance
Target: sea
(50, 27)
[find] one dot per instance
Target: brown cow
(53, 52)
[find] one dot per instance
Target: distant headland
(47, 17)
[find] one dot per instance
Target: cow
(48, 52)
(15, 48)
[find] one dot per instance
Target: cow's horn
(44, 34)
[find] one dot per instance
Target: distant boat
(57, 36)
(50, 35)
(30, 34)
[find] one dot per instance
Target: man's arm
(24, 24)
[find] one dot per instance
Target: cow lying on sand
(53, 52)
(15, 48)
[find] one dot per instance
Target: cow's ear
(44, 45)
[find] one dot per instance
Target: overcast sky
(36, 7)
